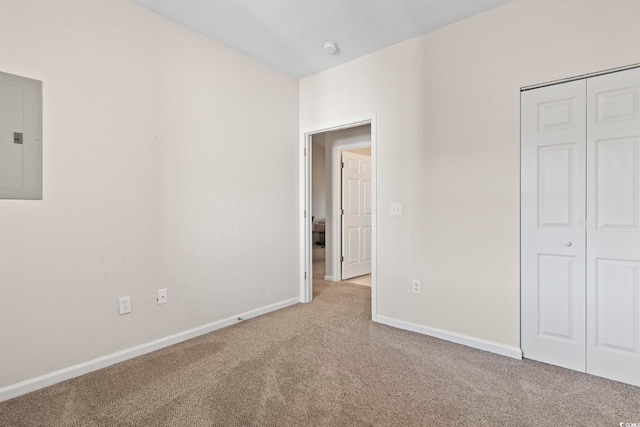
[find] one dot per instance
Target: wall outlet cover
(162, 296)
(417, 286)
(124, 305)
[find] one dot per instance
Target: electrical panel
(20, 137)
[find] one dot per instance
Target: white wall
(159, 147)
(318, 179)
(447, 106)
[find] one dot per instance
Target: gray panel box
(20, 137)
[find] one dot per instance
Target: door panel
(10, 122)
(613, 231)
(367, 243)
(356, 218)
(553, 227)
(353, 245)
(616, 306)
(366, 194)
(555, 185)
(555, 282)
(556, 114)
(555, 293)
(616, 203)
(353, 196)
(617, 105)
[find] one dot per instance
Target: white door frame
(305, 229)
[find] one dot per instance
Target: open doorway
(323, 200)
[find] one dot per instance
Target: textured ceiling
(289, 34)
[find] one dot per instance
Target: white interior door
(356, 215)
(613, 229)
(553, 224)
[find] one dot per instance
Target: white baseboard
(46, 380)
(330, 279)
(504, 350)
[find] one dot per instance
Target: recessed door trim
(305, 224)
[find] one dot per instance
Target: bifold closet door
(553, 224)
(580, 224)
(613, 227)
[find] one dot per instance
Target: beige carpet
(326, 364)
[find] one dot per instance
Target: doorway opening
(322, 205)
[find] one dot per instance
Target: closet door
(613, 228)
(553, 224)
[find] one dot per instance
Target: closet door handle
(567, 243)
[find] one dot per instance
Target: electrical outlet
(417, 286)
(124, 304)
(162, 296)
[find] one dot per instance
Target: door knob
(567, 243)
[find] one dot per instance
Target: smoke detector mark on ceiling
(330, 47)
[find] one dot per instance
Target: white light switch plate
(396, 209)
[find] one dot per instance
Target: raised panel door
(613, 227)
(552, 225)
(356, 215)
